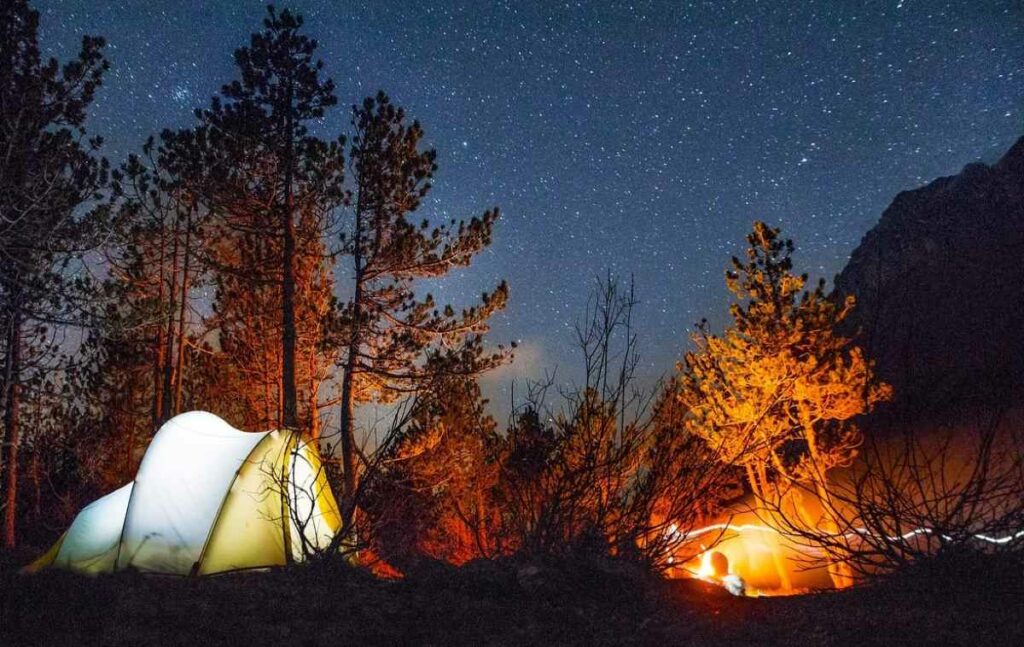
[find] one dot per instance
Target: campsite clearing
(977, 604)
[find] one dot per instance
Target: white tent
(207, 498)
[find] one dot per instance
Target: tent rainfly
(207, 498)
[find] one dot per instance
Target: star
(640, 137)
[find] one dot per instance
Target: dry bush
(430, 496)
(914, 496)
(610, 470)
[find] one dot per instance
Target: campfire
(750, 558)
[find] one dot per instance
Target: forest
(245, 267)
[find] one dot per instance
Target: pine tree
(267, 178)
(777, 391)
(47, 172)
(385, 329)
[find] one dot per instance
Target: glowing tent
(207, 498)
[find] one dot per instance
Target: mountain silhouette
(939, 283)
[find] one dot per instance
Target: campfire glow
(756, 552)
(705, 571)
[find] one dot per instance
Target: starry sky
(636, 137)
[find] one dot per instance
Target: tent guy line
(858, 532)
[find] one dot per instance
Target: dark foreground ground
(969, 602)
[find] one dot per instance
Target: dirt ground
(967, 602)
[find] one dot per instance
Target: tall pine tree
(48, 170)
(394, 341)
(267, 178)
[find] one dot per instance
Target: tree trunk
(314, 407)
(161, 342)
(271, 394)
(758, 485)
(129, 452)
(839, 570)
(182, 310)
(348, 440)
(289, 413)
(11, 421)
(37, 486)
(168, 353)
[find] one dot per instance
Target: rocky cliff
(939, 283)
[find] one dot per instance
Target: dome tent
(207, 498)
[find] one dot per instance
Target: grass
(975, 601)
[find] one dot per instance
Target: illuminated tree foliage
(432, 495)
(241, 374)
(776, 392)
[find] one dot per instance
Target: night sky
(638, 137)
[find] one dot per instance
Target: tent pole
(216, 518)
(124, 522)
